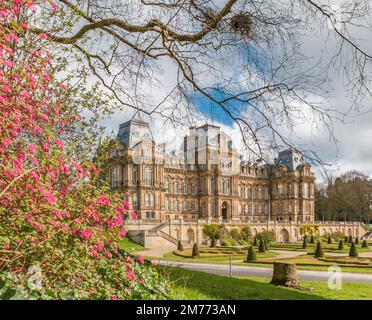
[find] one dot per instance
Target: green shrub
(266, 235)
(242, 242)
(255, 243)
(214, 232)
(195, 251)
(304, 243)
(356, 240)
(226, 242)
(341, 245)
(350, 239)
(179, 246)
(353, 252)
(261, 246)
(329, 240)
(251, 256)
(319, 250)
(365, 244)
(337, 235)
(235, 234)
(246, 233)
(346, 239)
(235, 243)
(266, 245)
(312, 240)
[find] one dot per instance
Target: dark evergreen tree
(195, 251)
(179, 246)
(341, 245)
(251, 256)
(319, 250)
(356, 240)
(312, 240)
(353, 252)
(365, 244)
(329, 240)
(261, 246)
(350, 239)
(304, 243)
(255, 242)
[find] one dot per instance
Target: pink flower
(133, 215)
(122, 233)
(54, 6)
(140, 259)
(59, 143)
(114, 298)
(86, 234)
(43, 36)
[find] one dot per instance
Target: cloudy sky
(352, 131)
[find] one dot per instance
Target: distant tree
(309, 229)
(261, 246)
(304, 243)
(235, 234)
(266, 235)
(356, 240)
(350, 239)
(179, 246)
(353, 252)
(255, 243)
(195, 251)
(213, 231)
(319, 250)
(365, 244)
(251, 256)
(346, 239)
(341, 245)
(246, 233)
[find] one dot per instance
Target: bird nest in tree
(242, 23)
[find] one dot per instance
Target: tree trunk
(284, 274)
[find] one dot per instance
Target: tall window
(135, 176)
(148, 176)
(184, 187)
(306, 190)
(175, 186)
(152, 200)
(289, 208)
(134, 200)
(193, 188)
(166, 185)
(114, 176)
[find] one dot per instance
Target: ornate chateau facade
(207, 182)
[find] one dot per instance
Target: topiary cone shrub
(266, 245)
(304, 243)
(312, 240)
(350, 239)
(356, 240)
(179, 246)
(261, 247)
(329, 240)
(195, 251)
(346, 239)
(341, 245)
(255, 242)
(319, 250)
(353, 252)
(251, 256)
(365, 244)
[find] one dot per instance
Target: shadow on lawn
(191, 284)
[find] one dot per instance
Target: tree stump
(285, 274)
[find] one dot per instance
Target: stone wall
(152, 234)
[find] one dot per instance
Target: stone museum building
(175, 193)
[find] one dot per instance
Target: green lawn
(130, 246)
(188, 285)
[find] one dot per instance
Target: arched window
(289, 208)
(147, 200)
(152, 199)
(166, 185)
(148, 176)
